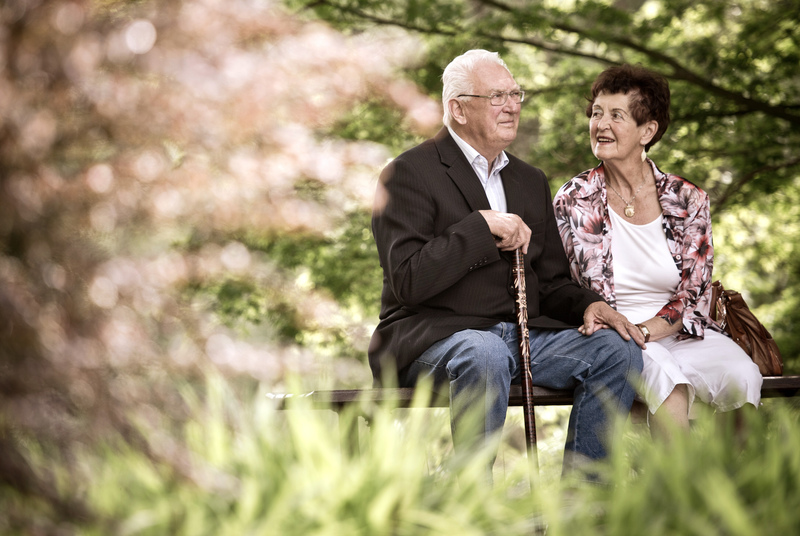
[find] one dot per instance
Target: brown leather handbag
(730, 311)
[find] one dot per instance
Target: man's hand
(509, 231)
(601, 315)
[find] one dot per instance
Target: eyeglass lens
(498, 99)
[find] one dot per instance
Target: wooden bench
(403, 397)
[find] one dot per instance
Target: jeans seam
(563, 356)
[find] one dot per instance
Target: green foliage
(344, 262)
(760, 256)
(300, 269)
(240, 467)
(710, 482)
(254, 471)
(374, 120)
(238, 302)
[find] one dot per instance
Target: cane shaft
(525, 355)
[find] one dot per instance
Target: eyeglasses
(499, 99)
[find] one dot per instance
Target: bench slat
(773, 387)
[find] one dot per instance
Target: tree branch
(452, 33)
(679, 71)
(726, 196)
(712, 114)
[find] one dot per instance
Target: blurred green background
(184, 210)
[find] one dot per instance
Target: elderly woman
(641, 238)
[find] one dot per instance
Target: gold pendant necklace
(630, 212)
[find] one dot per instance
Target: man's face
(490, 129)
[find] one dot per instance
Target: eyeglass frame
(505, 94)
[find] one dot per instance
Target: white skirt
(715, 369)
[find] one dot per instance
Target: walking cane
(525, 358)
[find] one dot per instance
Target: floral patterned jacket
(581, 210)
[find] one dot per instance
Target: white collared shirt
(492, 183)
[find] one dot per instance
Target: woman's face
(613, 131)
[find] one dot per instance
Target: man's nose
(512, 107)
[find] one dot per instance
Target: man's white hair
(457, 77)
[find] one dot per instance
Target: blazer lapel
(515, 193)
(460, 171)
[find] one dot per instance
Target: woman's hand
(660, 328)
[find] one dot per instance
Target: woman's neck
(626, 176)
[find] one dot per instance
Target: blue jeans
(478, 367)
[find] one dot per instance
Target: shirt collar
(471, 154)
(596, 180)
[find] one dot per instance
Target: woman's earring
(644, 155)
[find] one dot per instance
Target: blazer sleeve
(419, 260)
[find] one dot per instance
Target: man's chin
(510, 135)
(509, 129)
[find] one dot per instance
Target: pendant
(629, 211)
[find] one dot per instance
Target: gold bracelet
(645, 332)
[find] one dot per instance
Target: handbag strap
(719, 307)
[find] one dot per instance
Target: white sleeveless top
(645, 276)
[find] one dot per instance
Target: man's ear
(457, 111)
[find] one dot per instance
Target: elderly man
(456, 206)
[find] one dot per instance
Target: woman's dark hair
(648, 90)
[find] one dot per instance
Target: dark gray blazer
(442, 271)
